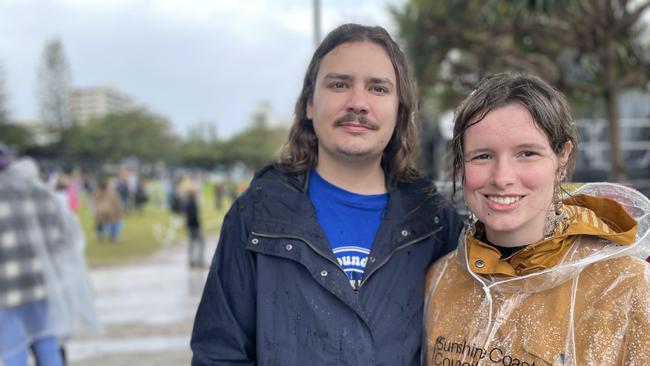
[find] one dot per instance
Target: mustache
(352, 117)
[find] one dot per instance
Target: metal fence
(594, 155)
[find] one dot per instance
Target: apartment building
(96, 102)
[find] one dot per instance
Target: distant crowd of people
(45, 292)
(46, 295)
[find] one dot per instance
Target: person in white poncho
(44, 288)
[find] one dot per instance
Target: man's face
(355, 103)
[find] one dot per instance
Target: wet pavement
(146, 309)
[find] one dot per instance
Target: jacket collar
(282, 207)
(300, 180)
(406, 197)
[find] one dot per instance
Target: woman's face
(510, 172)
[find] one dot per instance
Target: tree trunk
(617, 169)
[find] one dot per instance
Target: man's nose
(358, 101)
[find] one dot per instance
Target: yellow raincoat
(579, 298)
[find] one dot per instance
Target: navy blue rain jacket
(276, 295)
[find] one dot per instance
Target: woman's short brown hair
(547, 106)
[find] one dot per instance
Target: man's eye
(379, 90)
(339, 85)
(528, 154)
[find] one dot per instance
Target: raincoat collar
(589, 215)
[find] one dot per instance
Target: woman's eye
(477, 158)
(528, 153)
(379, 90)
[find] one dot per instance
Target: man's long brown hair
(300, 152)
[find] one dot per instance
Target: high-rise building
(96, 102)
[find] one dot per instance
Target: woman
(108, 212)
(539, 278)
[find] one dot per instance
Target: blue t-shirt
(350, 222)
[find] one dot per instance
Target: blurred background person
(219, 193)
(196, 246)
(61, 187)
(44, 289)
(108, 212)
(122, 188)
(141, 197)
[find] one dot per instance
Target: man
(196, 246)
(322, 260)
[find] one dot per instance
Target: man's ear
(309, 110)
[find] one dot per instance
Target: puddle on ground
(81, 350)
(157, 292)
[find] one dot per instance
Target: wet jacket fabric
(580, 298)
(275, 294)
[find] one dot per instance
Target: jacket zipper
(414, 241)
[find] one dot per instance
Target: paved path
(147, 309)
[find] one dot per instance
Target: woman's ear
(564, 159)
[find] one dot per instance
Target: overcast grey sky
(189, 60)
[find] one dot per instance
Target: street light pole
(316, 22)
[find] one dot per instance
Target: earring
(557, 220)
(470, 223)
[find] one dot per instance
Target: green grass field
(145, 232)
